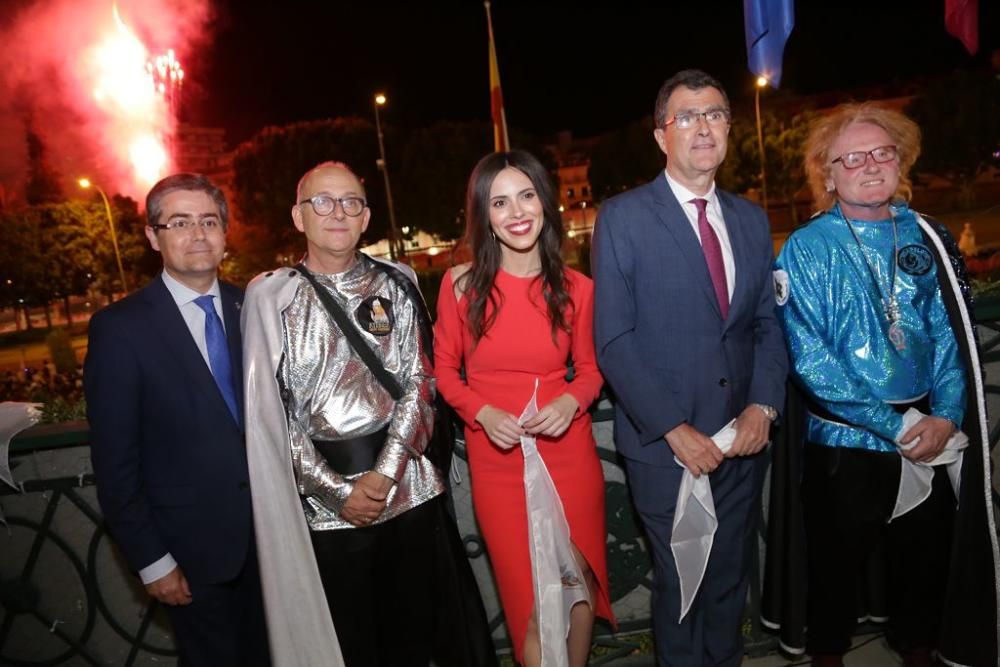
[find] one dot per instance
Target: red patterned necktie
(713, 256)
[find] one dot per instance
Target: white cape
(300, 628)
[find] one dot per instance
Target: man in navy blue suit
(687, 337)
(164, 401)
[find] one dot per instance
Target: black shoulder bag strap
(353, 336)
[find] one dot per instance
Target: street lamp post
(86, 184)
(761, 82)
(394, 249)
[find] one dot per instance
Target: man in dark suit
(164, 401)
(686, 335)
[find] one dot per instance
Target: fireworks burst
(139, 94)
(95, 81)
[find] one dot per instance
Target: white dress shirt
(194, 317)
(715, 219)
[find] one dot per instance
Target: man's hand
(172, 588)
(694, 449)
(752, 431)
(367, 500)
(501, 427)
(933, 433)
(554, 418)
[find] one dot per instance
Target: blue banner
(768, 24)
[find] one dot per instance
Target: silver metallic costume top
(330, 394)
(834, 317)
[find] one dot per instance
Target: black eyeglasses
(325, 204)
(856, 159)
(189, 225)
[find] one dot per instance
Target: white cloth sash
(695, 524)
(916, 478)
(14, 418)
(558, 581)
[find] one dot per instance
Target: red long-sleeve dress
(501, 371)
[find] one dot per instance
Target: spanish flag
(501, 141)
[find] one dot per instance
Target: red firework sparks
(97, 84)
(136, 92)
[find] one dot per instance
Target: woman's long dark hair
(479, 282)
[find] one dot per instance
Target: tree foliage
(43, 181)
(960, 123)
(434, 169)
(624, 158)
(784, 141)
(53, 251)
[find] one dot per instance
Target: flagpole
(501, 139)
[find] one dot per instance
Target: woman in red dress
(514, 314)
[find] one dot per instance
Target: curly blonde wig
(827, 128)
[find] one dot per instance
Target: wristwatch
(768, 411)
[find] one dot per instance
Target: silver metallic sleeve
(413, 415)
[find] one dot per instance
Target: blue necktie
(218, 353)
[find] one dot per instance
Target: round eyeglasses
(325, 204)
(857, 159)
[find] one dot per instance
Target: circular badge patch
(915, 259)
(781, 287)
(375, 315)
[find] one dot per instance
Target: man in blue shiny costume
(877, 321)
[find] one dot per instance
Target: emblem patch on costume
(915, 259)
(781, 287)
(375, 315)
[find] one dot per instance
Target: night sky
(564, 66)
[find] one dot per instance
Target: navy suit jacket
(661, 340)
(168, 455)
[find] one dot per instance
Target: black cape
(969, 631)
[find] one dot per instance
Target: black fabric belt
(351, 456)
(923, 404)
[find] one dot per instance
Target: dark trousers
(710, 633)
(224, 625)
(848, 497)
(378, 583)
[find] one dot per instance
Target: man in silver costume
(328, 443)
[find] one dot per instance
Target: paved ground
(868, 651)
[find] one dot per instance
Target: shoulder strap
(361, 348)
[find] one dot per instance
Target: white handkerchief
(14, 418)
(695, 524)
(916, 478)
(558, 580)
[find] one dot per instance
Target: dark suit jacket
(661, 341)
(168, 456)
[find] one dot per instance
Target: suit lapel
(176, 339)
(739, 244)
(671, 214)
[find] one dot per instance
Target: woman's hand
(554, 418)
(501, 427)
